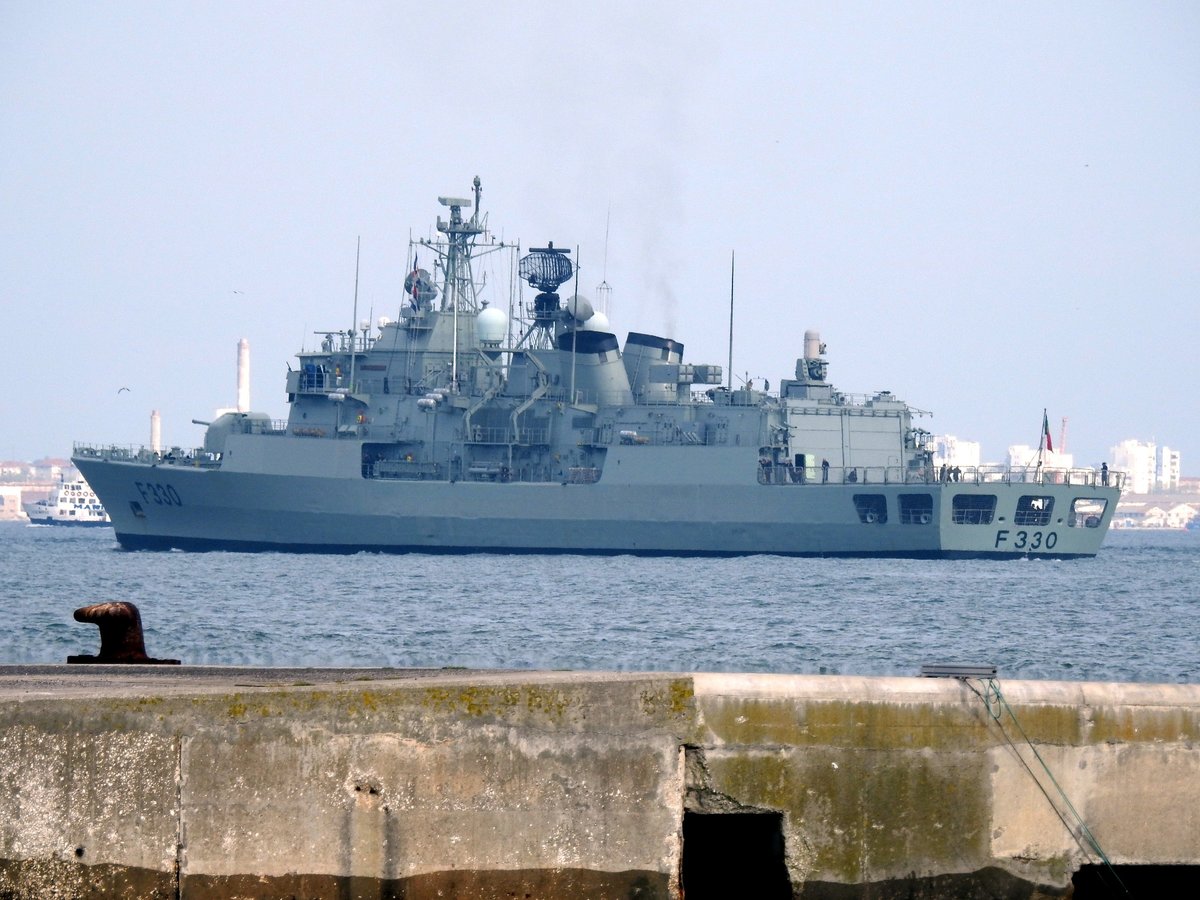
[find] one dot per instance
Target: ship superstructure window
(1087, 512)
(1033, 510)
(973, 509)
(871, 508)
(916, 509)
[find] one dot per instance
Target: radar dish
(545, 268)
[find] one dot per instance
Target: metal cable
(996, 704)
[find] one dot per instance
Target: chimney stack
(243, 376)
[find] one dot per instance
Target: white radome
(491, 325)
(598, 322)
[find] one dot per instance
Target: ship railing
(786, 473)
(484, 434)
(176, 456)
(489, 471)
(1082, 477)
(399, 469)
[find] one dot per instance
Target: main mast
(458, 292)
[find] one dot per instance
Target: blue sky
(986, 209)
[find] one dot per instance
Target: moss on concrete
(865, 814)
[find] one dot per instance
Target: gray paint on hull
(243, 510)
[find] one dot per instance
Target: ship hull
(700, 509)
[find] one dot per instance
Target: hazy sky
(985, 208)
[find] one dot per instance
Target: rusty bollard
(121, 638)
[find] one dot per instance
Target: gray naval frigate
(522, 424)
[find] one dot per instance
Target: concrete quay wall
(222, 783)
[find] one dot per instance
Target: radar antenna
(545, 268)
(459, 292)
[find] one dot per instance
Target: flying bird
(122, 389)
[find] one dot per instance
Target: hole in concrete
(734, 855)
(78, 852)
(1096, 882)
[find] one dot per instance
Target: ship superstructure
(480, 419)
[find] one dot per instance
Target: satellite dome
(581, 307)
(598, 322)
(491, 325)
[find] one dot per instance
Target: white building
(1022, 456)
(950, 451)
(1149, 466)
(10, 504)
(1168, 469)
(1156, 517)
(1137, 459)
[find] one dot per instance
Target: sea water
(1130, 614)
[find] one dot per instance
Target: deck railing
(785, 473)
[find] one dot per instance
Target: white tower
(243, 376)
(155, 431)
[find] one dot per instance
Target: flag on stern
(1045, 443)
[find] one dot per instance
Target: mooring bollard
(121, 639)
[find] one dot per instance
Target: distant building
(950, 451)
(11, 470)
(10, 504)
(1023, 456)
(1150, 467)
(1168, 469)
(1136, 458)
(1180, 515)
(52, 469)
(1144, 515)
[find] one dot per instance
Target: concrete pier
(145, 782)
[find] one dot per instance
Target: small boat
(71, 503)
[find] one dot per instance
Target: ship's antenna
(575, 325)
(604, 289)
(354, 321)
(729, 377)
(607, 222)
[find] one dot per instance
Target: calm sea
(1130, 614)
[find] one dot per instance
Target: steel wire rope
(993, 695)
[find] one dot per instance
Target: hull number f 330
(1025, 540)
(161, 495)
